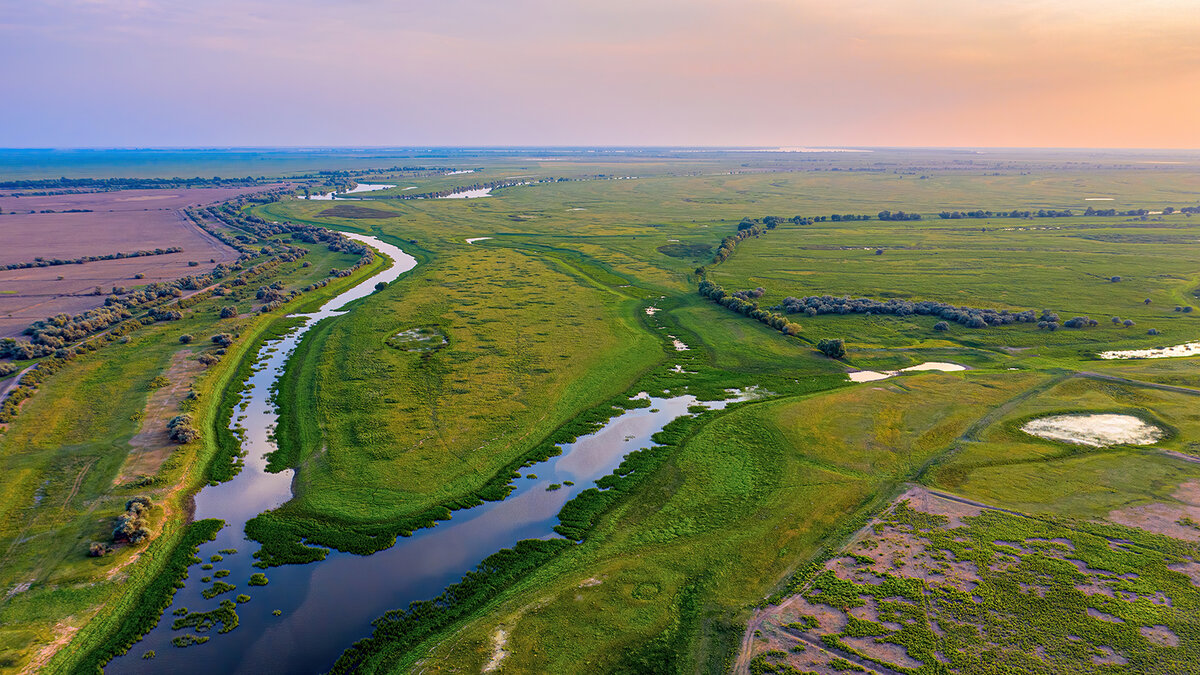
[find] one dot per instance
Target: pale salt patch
(455, 173)
(1097, 199)
(472, 240)
(1097, 430)
(869, 375)
(499, 639)
(873, 375)
(1186, 349)
(680, 346)
(651, 311)
(470, 194)
(935, 365)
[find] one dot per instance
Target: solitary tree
(834, 348)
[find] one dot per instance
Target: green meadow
(667, 576)
(426, 395)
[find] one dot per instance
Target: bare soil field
(123, 221)
(151, 446)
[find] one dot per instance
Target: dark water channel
(328, 605)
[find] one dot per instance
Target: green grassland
(1000, 593)
(755, 493)
(532, 341)
(1010, 468)
(746, 499)
(545, 323)
(62, 453)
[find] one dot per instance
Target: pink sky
(1066, 73)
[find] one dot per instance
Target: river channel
(325, 607)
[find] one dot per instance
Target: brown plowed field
(121, 221)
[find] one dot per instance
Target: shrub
(1152, 331)
(1127, 323)
(1115, 279)
(228, 312)
(181, 430)
(1187, 310)
(257, 579)
(381, 285)
(833, 348)
(99, 550)
(1116, 320)
(185, 338)
(223, 339)
(941, 326)
(208, 359)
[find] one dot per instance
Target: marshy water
(361, 187)
(1096, 430)
(326, 606)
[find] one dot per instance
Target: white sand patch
(472, 240)
(470, 194)
(1186, 349)
(651, 311)
(1096, 430)
(869, 375)
(935, 365)
(680, 345)
(873, 375)
(499, 639)
(455, 173)
(1097, 199)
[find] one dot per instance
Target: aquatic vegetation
(202, 622)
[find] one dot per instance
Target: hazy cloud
(758, 72)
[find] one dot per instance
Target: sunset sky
(1059, 73)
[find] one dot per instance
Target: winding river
(325, 607)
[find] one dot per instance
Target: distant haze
(1070, 73)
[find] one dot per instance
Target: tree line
(1015, 213)
(971, 317)
(53, 262)
(741, 303)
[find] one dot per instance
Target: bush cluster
(131, 525)
(737, 302)
(971, 317)
(181, 429)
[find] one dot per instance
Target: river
(325, 607)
